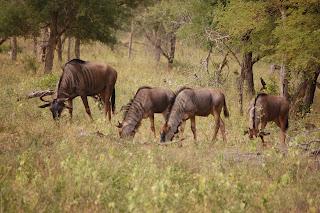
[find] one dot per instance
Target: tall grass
(49, 167)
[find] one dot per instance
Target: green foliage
(47, 81)
(16, 19)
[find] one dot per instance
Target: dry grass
(67, 167)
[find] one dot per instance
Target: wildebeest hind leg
(152, 125)
(283, 124)
(107, 107)
(86, 105)
(223, 130)
(217, 125)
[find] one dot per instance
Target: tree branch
(2, 40)
(233, 54)
(154, 44)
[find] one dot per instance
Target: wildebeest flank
(146, 102)
(266, 108)
(195, 102)
(81, 78)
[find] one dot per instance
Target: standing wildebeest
(82, 78)
(265, 108)
(195, 102)
(145, 103)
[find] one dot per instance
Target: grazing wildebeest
(146, 102)
(265, 108)
(83, 78)
(195, 102)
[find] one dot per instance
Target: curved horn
(41, 97)
(119, 125)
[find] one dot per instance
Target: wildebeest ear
(119, 125)
(44, 105)
(245, 132)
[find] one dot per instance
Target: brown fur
(195, 102)
(145, 103)
(81, 78)
(266, 108)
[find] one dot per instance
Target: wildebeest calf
(265, 108)
(81, 78)
(195, 102)
(146, 102)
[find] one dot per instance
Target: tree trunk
(130, 41)
(14, 48)
(59, 50)
(48, 64)
(311, 88)
(43, 44)
(246, 66)
(77, 48)
(240, 81)
(69, 49)
(35, 46)
(172, 51)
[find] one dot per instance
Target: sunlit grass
(47, 166)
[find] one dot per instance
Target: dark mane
(76, 61)
(254, 107)
(181, 89)
(126, 107)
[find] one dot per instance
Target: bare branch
(2, 40)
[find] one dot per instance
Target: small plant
(30, 64)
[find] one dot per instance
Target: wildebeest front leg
(181, 129)
(193, 127)
(70, 108)
(152, 124)
(86, 105)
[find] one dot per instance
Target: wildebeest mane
(128, 105)
(176, 93)
(254, 107)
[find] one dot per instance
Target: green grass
(67, 167)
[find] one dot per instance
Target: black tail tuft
(287, 123)
(225, 109)
(113, 100)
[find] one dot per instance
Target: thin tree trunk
(219, 70)
(14, 48)
(157, 49)
(240, 81)
(311, 88)
(284, 82)
(35, 46)
(130, 40)
(59, 50)
(172, 50)
(43, 44)
(246, 66)
(48, 64)
(77, 48)
(69, 48)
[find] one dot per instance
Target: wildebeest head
(168, 132)
(126, 130)
(56, 106)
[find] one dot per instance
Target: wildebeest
(265, 108)
(195, 102)
(146, 102)
(83, 78)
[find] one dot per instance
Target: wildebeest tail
(113, 100)
(287, 123)
(225, 109)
